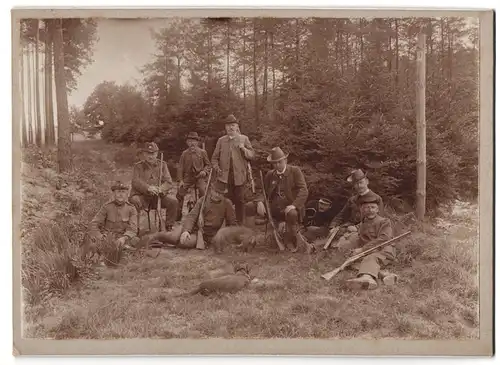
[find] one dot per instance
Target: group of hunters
(360, 224)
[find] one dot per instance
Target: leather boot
(364, 281)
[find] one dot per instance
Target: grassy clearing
(437, 297)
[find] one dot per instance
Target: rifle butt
(330, 238)
(329, 275)
(200, 243)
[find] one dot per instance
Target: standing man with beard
(229, 160)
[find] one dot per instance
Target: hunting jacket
(214, 215)
(226, 150)
(120, 219)
(294, 187)
(351, 212)
(375, 231)
(146, 174)
(191, 163)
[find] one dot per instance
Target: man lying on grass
(116, 220)
(217, 209)
(373, 230)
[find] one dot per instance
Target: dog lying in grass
(224, 284)
(241, 237)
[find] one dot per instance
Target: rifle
(329, 275)
(252, 182)
(269, 217)
(332, 235)
(200, 243)
(158, 202)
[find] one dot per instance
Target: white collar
(282, 172)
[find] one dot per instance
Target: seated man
(350, 215)
(318, 215)
(287, 192)
(145, 190)
(117, 218)
(373, 230)
(217, 209)
(194, 167)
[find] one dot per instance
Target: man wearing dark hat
(287, 192)
(194, 167)
(318, 215)
(229, 160)
(350, 215)
(217, 210)
(117, 217)
(373, 230)
(145, 181)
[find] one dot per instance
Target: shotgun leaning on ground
(158, 200)
(200, 243)
(333, 233)
(250, 174)
(269, 217)
(329, 275)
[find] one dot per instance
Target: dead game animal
(224, 284)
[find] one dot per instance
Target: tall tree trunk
(244, 67)
(23, 109)
(30, 93)
(273, 60)
(49, 113)
(179, 73)
(37, 85)
(63, 128)
(397, 53)
(297, 52)
(361, 43)
(442, 46)
(255, 90)
(165, 84)
(264, 86)
(209, 55)
(228, 35)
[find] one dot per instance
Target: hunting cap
(220, 187)
(276, 155)
(231, 119)
(369, 197)
(356, 175)
(325, 201)
(119, 185)
(150, 147)
(193, 135)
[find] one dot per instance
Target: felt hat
(369, 197)
(150, 147)
(356, 175)
(119, 185)
(276, 155)
(193, 135)
(220, 187)
(231, 119)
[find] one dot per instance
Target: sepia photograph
(236, 175)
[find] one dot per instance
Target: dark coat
(294, 186)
